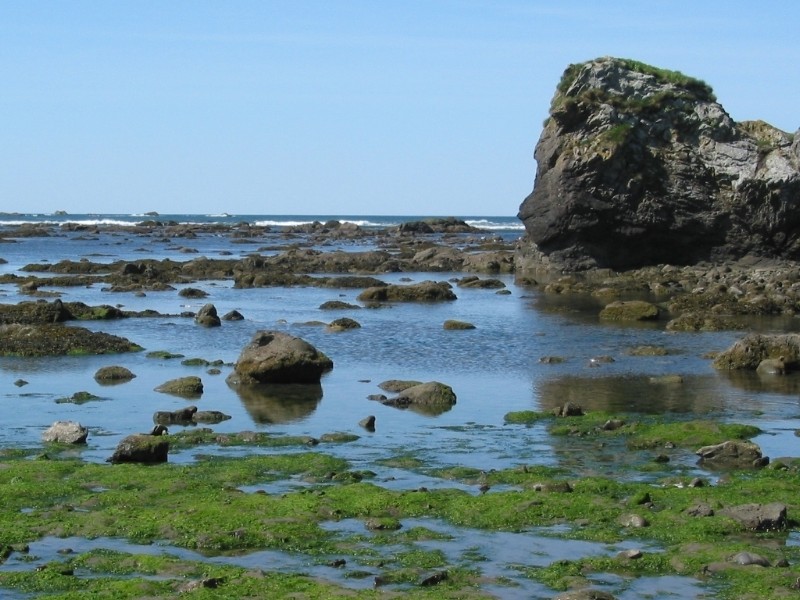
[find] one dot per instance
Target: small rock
(207, 316)
(633, 521)
(368, 423)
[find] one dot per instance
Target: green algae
(201, 506)
(641, 432)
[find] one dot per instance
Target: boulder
(639, 166)
(277, 357)
(731, 454)
(233, 315)
(186, 387)
(113, 374)
(431, 394)
(758, 517)
(66, 432)
(183, 416)
(207, 316)
(141, 448)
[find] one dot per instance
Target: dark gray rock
(207, 316)
(141, 448)
(641, 166)
(113, 374)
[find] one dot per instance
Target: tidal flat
(501, 495)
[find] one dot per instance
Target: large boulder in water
(277, 357)
(641, 166)
(426, 291)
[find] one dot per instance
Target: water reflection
(279, 402)
(750, 381)
(689, 394)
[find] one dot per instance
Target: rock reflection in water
(279, 402)
(751, 381)
(699, 394)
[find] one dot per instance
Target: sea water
(494, 369)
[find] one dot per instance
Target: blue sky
(426, 107)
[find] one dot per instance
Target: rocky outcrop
(426, 291)
(640, 166)
(59, 340)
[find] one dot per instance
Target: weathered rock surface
(186, 387)
(641, 166)
(737, 454)
(207, 316)
(456, 325)
(277, 357)
(758, 517)
(141, 448)
(432, 394)
(66, 432)
(427, 291)
(113, 374)
(58, 340)
(749, 352)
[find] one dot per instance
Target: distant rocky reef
(641, 166)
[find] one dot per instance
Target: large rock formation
(640, 166)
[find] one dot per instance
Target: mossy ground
(201, 507)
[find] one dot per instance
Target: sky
(337, 107)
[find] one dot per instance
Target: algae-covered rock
(187, 387)
(277, 357)
(427, 291)
(113, 374)
(630, 310)
(456, 325)
(59, 340)
(141, 448)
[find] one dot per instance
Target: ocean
(494, 369)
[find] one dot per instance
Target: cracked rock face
(640, 166)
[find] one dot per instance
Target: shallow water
(494, 369)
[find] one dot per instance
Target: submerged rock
(277, 357)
